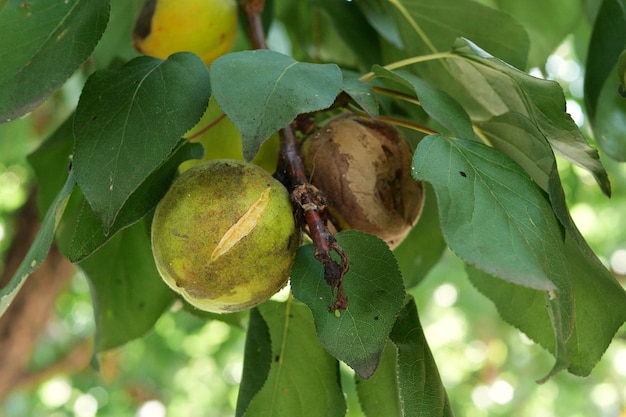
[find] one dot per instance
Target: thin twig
(309, 201)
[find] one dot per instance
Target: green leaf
(421, 390)
(51, 161)
(39, 248)
(379, 395)
(296, 355)
(497, 88)
(423, 247)
(42, 44)
(517, 137)
(605, 46)
(363, 94)
(379, 14)
(609, 124)
(83, 232)
(128, 292)
(353, 28)
(263, 91)
(492, 214)
(375, 293)
(128, 121)
(437, 103)
(547, 23)
(522, 307)
(599, 309)
(529, 310)
(621, 72)
(428, 27)
(600, 303)
(257, 361)
(604, 76)
(407, 382)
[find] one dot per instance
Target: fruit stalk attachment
(309, 201)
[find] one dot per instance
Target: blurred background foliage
(190, 366)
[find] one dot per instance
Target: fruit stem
(253, 10)
(396, 94)
(409, 61)
(309, 202)
(408, 125)
(207, 127)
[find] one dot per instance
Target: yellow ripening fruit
(221, 139)
(207, 28)
(364, 168)
(224, 236)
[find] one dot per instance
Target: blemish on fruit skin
(242, 228)
(177, 234)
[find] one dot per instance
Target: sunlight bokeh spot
(85, 406)
(618, 262)
(55, 392)
(152, 408)
(446, 295)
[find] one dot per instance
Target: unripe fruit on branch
(224, 236)
(364, 168)
(207, 28)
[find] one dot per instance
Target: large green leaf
(375, 293)
(437, 103)
(128, 292)
(40, 246)
(51, 161)
(492, 214)
(497, 88)
(547, 23)
(83, 234)
(296, 355)
(421, 390)
(352, 26)
(428, 27)
(128, 121)
(263, 91)
(42, 43)
(534, 312)
(609, 124)
(257, 361)
(80, 230)
(499, 221)
(600, 309)
(407, 382)
(603, 78)
(605, 46)
(363, 94)
(517, 137)
(379, 395)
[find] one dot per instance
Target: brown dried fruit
(364, 168)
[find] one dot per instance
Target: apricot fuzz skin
(224, 236)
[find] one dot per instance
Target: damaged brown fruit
(364, 168)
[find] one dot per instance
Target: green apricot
(224, 236)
